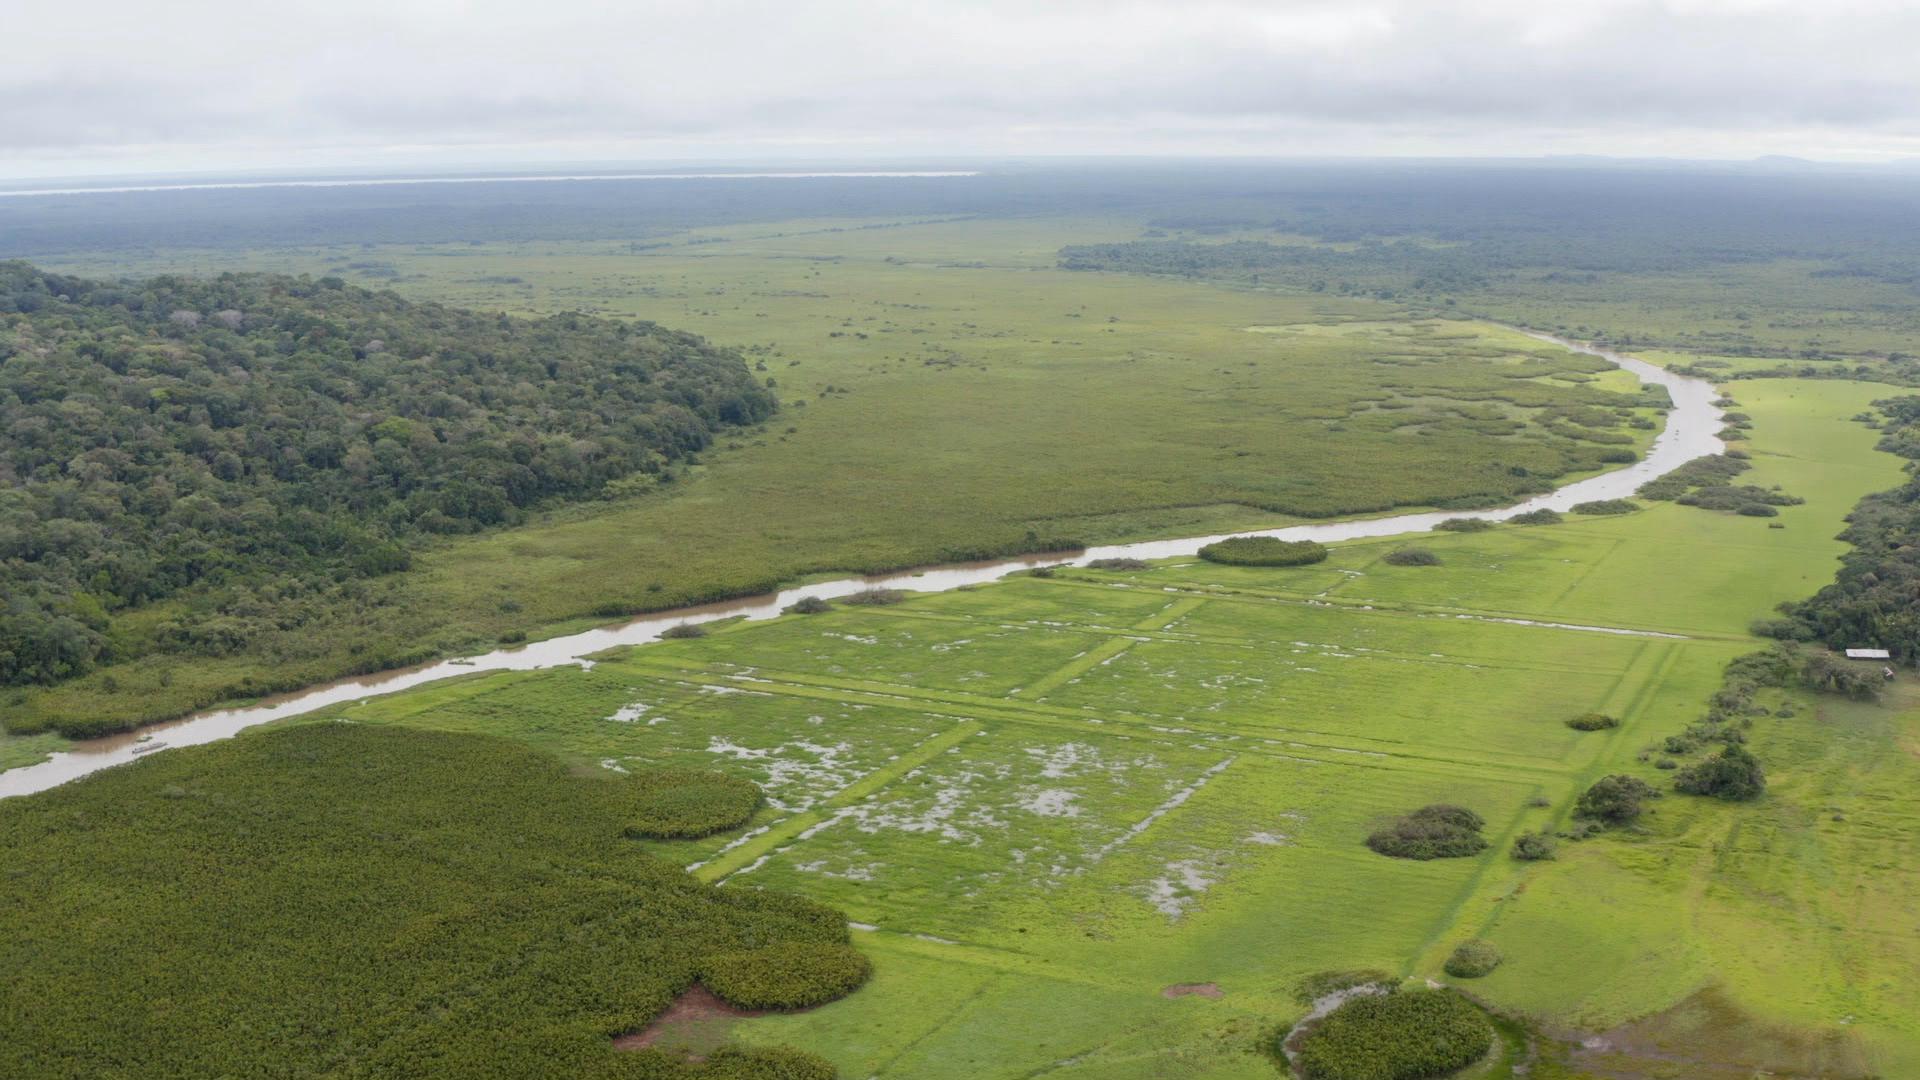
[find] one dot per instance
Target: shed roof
(1868, 654)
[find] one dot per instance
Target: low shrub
(684, 804)
(1620, 457)
(1118, 564)
(1413, 556)
(1617, 800)
(789, 975)
(875, 597)
(1431, 832)
(1537, 517)
(1473, 960)
(683, 630)
(1465, 525)
(1264, 551)
(1733, 774)
(808, 605)
(758, 1063)
(1404, 1036)
(1041, 572)
(1757, 510)
(1534, 846)
(1606, 506)
(1592, 721)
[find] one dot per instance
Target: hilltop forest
(258, 444)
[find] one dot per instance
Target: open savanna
(947, 393)
(1047, 801)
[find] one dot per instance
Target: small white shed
(1868, 654)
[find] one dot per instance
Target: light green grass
(1054, 798)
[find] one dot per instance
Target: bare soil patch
(1205, 990)
(691, 1015)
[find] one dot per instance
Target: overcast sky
(119, 86)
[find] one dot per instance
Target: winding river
(1691, 432)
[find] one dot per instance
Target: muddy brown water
(1691, 432)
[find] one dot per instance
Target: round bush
(1757, 510)
(1406, 1036)
(1431, 832)
(1465, 525)
(1473, 959)
(1413, 556)
(683, 630)
(673, 804)
(875, 597)
(758, 1063)
(1264, 551)
(1592, 721)
(1537, 517)
(790, 975)
(1616, 799)
(808, 605)
(1606, 506)
(1118, 564)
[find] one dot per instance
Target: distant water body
(1691, 432)
(247, 185)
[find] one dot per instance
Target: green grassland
(1046, 801)
(948, 393)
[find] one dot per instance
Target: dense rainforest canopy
(262, 440)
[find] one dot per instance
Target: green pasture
(1046, 801)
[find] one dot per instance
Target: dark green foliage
(1733, 774)
(1406, 1036)
(1118, 564)
(676, 804)
(1319, 985)
(808, 605)
(1534, 846)
(1542, 516)
(261, 443)
(875, 597)
(1606, 506)
(1465, 525)
(682, 631)
(1592, 721)
(1412, 556)
(1473, 960)
(788, 975)
(1431, 832)
(1757, 510)
(1264, 551)
(1616, 800)
(345, 900)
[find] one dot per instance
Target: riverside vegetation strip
(1052, 798)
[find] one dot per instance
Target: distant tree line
(260, 441)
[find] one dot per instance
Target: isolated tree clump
(1534, 846)
(684, 804)
(1616, 800)
(1606, 506)
(683, 630)
(1465, 525)
(788, 975)
(1431, 832)
(1413, 556)
(875, 597)
(1473, 959)
(1542, 516)
(1733, 774)
(807, 605)
(1264, 551)
(1118, 564)
(1405, 1036)
(1592, 721)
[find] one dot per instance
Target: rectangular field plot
(1013, 809)
(1052, 603)
(1409, 691)
(978, 657)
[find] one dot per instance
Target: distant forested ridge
(261, 441)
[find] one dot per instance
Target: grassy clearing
(1042, 406)
(1007, 783)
